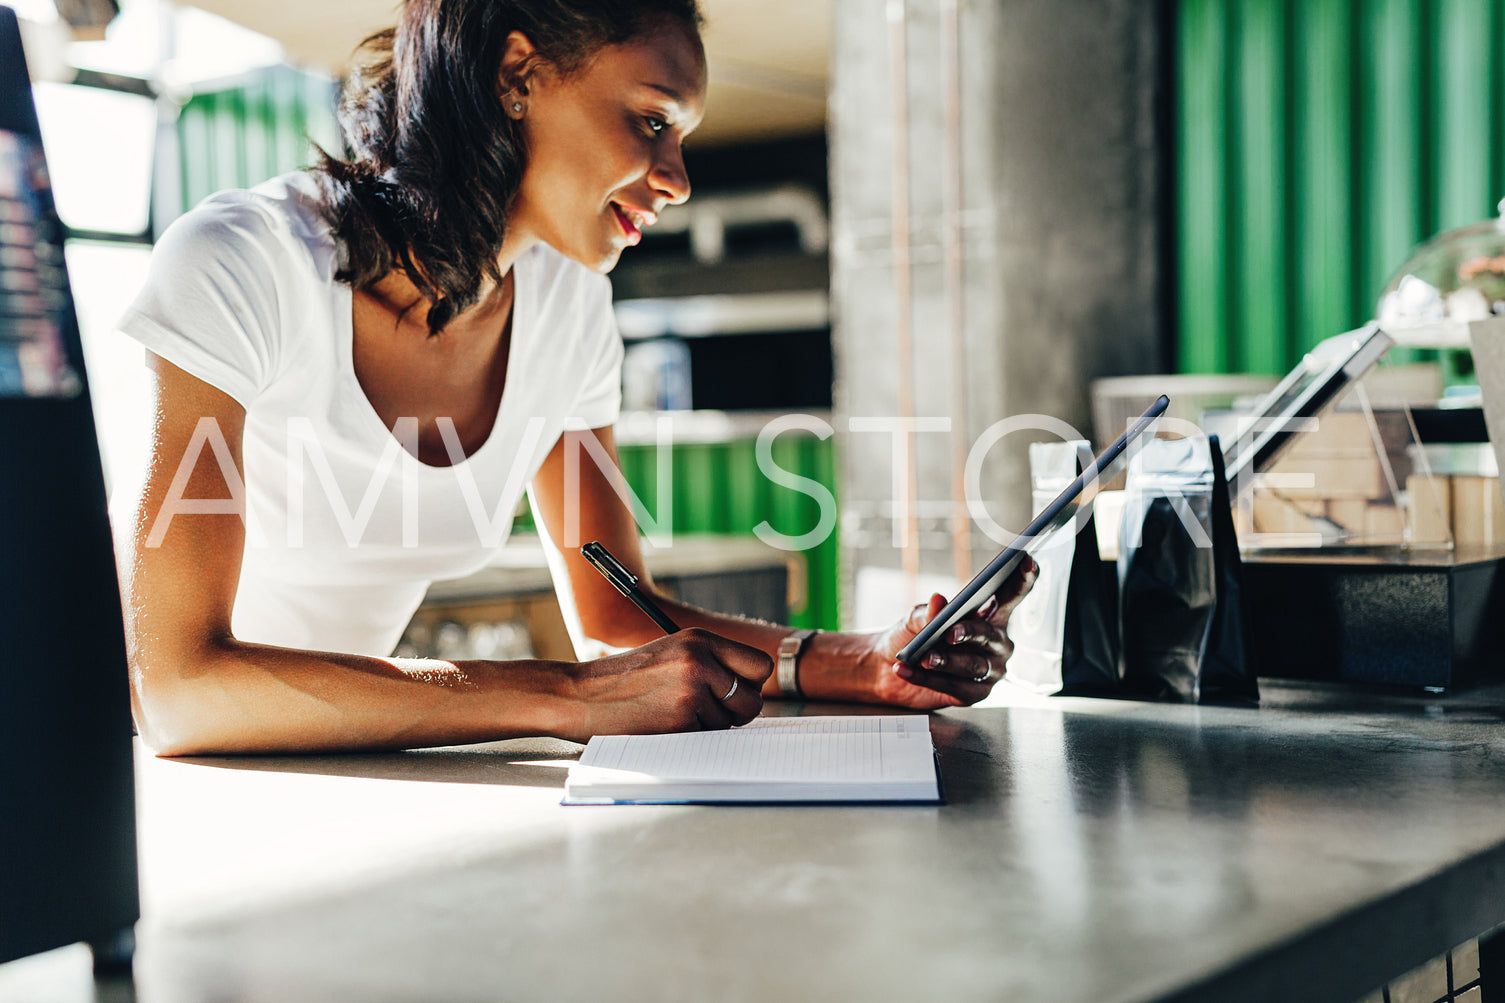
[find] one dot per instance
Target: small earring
(517, 106)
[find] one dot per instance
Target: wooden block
(1311, 477)
(1430, 515)
(1273, 514)
(1385, 522)
(1478, 511)
(1350, 513)
(1336, 432)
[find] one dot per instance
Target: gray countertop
(1090, 850)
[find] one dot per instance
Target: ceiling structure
(768, 62)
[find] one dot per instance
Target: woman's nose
(670, 178)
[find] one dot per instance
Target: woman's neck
(408, 308)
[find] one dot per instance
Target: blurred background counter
(509, 610)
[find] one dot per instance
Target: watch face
(788, 668)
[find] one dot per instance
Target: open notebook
(779, 759)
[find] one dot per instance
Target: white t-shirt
(345, 528)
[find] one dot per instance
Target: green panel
(1463, 113)
(242, 136)
(258, 128)
(795, 512)
(640, 467)
(825, 558)
(743, 484)
(1496, 90)
(1259, 232)
(228, 127)
(196, 157)
(1201, 187)
(1322, 182)
(695, 494)
(284, 96)
(790, 511)
(1392, 125)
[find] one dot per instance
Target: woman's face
(604, 145)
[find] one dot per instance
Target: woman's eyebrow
(666, 90)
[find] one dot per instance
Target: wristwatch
(789, 662)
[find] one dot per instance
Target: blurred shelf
(727, 313)
(641, 428)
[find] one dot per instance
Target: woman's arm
(197, 689)
(833, 666)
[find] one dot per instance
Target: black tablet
(1055, 515)
(1318, 380)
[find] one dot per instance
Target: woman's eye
(655, 125)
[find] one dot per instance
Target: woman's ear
(519, 61)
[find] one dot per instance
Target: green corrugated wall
(241, 136)
(718, 488)
(1317, 143)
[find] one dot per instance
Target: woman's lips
(634, 233)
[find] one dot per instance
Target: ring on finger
(735, 681)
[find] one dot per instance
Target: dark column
(1027, 196)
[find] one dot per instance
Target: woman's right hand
(675, 683)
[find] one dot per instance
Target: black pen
(626, 583)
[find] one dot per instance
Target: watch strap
(789, 662)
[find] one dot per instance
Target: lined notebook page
(853, 756)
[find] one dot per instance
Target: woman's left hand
(963, 668)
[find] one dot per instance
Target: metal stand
(1492, 967)
(114, 955)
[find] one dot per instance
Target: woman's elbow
(170, 718)
(157, 719)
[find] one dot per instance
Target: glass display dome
(1453, 279)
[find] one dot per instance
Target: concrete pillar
(1034, 137)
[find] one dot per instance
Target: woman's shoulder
(280, 222)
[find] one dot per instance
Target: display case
(1402, 581)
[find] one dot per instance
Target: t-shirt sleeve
(210, 302)
(599, 401)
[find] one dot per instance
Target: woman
(418, 327)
